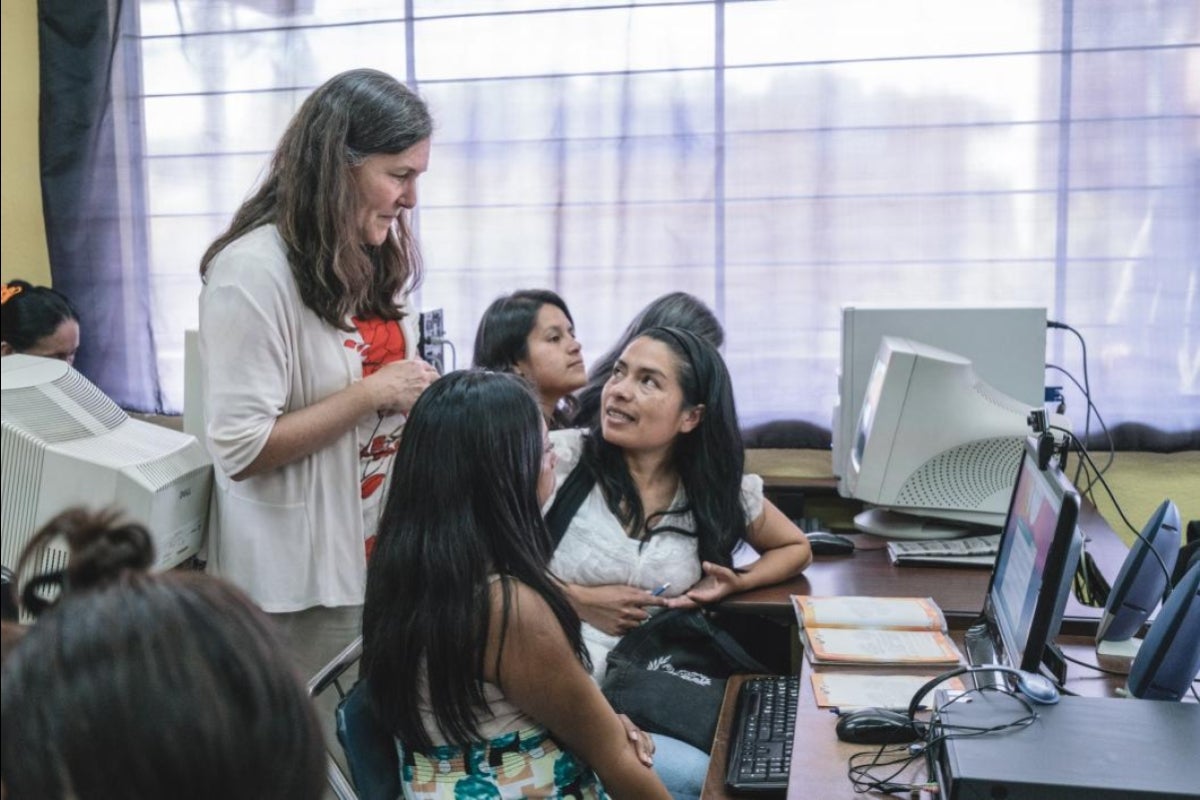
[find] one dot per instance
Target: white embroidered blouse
(595, 550)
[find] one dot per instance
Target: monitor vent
(173, 467)
(999, 399)
(51, 411)
(19, 490)
(963, 477)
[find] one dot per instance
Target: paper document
(851, 646)
(891, 613)
(846, 690)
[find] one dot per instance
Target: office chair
(369, 747)
(330, 675)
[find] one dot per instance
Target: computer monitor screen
(933, 439)
(1039, 550)
(66, 444)
(1006, 346)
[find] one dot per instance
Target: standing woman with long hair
(471, 653)
(309, 357)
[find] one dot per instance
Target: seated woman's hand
(718, 583)
(641, 742)
(614, 608)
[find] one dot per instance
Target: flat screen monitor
(1039, 550)
(934, 439)
(1006, 346)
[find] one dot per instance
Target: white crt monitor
(66, 444)
(933, 439)
(1006, 346)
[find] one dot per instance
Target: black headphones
(895, 727)
(1036, 688)
(885, 726)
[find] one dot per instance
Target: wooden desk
(959, 592)
(823, 758)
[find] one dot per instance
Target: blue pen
(661, 589)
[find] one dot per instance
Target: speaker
(1144, 576)
(1169, 659)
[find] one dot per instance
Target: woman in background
(37, 321)
(140, 685)
(661, 499)
(672, 310)
(471, 652)
(531, 333)
(308, 352)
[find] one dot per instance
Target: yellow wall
(23, 251)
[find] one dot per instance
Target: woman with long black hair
(471, 651)
(661, 499)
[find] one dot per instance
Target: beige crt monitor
(933, 440)
(66, 444)
(1005, 344)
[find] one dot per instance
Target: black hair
(139, 685)
(31, 313)
(502, 338)
(462, 506)
(671, 310)
(709, 459)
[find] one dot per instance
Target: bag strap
(734, 652)
(689, 625)
(570, 497)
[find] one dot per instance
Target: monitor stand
(895, 525)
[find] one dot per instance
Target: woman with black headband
(37, 321)
(666, 499)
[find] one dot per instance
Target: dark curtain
(92, 190)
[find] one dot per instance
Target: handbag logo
(663, 664)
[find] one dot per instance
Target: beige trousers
(314, 637)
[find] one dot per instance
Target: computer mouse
(824, 543)
(1037, 688)
(877, 726)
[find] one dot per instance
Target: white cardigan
(291, 538)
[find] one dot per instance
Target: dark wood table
(958, 591)
(821, 758)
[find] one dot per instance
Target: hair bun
(101, 546)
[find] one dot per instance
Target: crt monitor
(66, 444)
(1039, 551)
(933, 439)
(1006, 346)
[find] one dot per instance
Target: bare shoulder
(528, 611)
(531, 633)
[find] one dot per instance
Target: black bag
(668, 675)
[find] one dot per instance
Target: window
(777, 159)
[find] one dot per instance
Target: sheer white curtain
(777, 159)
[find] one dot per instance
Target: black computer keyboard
(760, 747)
